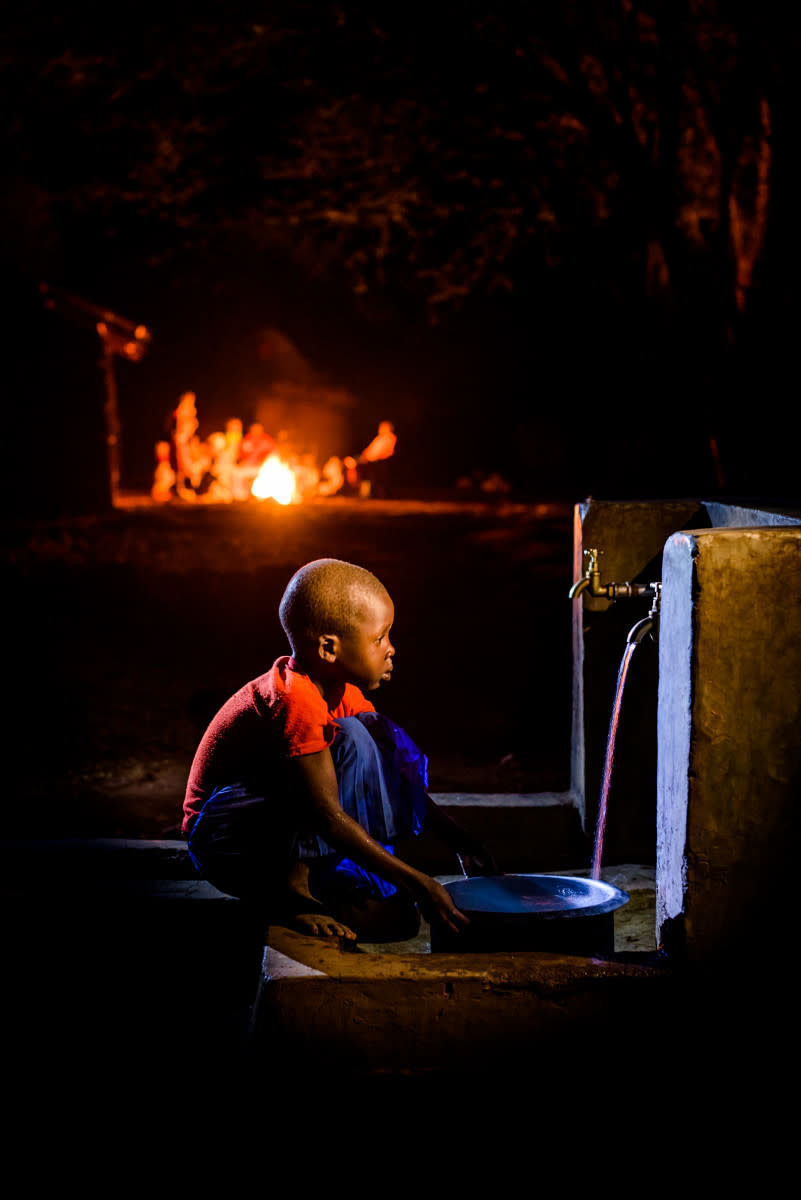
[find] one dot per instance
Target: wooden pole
(111, 411)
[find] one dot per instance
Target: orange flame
(275, 481)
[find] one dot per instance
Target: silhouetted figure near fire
(332, 476)
(225, 452)
(351, 485)
(163, 489)
(374, 461)
(233, 437)
(218, 482)
(307, 476)
(185, 439)
(256, 445)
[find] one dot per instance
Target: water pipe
(591, 582)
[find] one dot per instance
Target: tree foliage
(447, 159)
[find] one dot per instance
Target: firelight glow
(275, 481)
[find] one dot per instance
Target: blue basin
(560, 913)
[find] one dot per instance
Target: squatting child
(299, 788)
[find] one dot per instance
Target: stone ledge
(504, 799)
(416, 1015)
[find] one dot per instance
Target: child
(163, 489)
(299, 788)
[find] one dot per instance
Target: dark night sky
(567, 385)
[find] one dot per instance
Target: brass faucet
(591, 583)
(647, 624)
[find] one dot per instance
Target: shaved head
(326, 596)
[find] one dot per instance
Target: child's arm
(318, 783)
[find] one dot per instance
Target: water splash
(600, 827)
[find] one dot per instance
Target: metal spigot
(591, 578)
(591, 581)
(646, 625)
(579, 586)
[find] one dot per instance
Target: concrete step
(525, 831)
(116, 953)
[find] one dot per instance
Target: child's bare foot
(320, 925)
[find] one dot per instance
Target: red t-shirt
(277, 716)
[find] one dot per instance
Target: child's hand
(319, 925)
(436, 905)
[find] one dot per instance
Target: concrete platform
(123, 967)
(397, 1009)
(115, 946)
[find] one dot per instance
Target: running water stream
(600, 827)
(642, 629)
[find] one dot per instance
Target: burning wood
(229, 466)
(275, 481)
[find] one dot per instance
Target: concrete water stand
(398, 1009)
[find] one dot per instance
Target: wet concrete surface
(634, 922)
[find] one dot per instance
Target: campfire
(275, 481)
(232, 464)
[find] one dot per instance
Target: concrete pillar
(729, 741)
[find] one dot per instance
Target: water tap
(591, 582)
(646, 625)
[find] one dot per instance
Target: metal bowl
(560, 913)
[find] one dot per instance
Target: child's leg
(393, 918)
(381, 778)
(387, 800)
(371, 907)
(234, 846)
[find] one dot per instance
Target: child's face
(366, 653)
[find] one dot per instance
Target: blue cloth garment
(246, 834)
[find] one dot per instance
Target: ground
(129, 628)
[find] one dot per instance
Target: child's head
(337, 617)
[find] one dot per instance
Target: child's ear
(328, 646)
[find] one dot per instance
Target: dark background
(547, 212)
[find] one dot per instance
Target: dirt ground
(127, 630)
